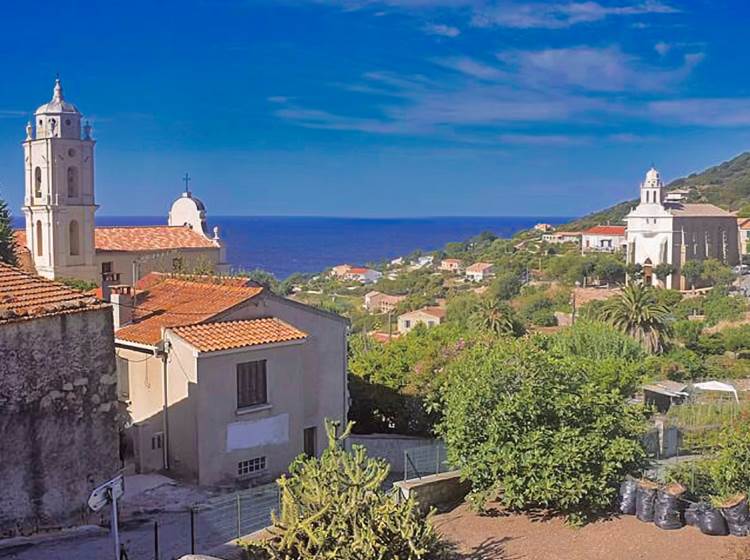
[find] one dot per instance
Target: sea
(285, 245)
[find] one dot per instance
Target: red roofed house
(479, 271)
(226, 383)
(59, 414)
(450, 265)
(60, 239)
(364, 275)
(603, 238)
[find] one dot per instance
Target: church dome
(653, 179)
(189, 211)
(57, 104)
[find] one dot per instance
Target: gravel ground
(499, 536)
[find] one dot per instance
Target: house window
(309, 437)
(157, 440)
(107, 267)
(251, 466)
(251, 384)
(407, 323)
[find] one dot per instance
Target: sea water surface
(285, 245)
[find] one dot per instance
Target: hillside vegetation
(726, 185)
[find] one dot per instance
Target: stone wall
(438, 490)
(58, 416)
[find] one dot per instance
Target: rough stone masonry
(59, 417)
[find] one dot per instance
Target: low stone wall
(438, 490)
(390, 447)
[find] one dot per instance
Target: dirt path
(517, 537)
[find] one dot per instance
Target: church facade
(665, 229)
(61, 239)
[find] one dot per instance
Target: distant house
(743, 227)
(479, 271)
(364, 275)
(543, 227)
(225, 383)
(341, 270)
(429, 316)
(559, 237)
(450, 265)
(59, 415)
(422, 262)
(398, 261)
(606, 239)
(663, 394)
(378, 302)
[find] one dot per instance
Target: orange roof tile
(479, 267)
(141, 238)
(149, 238)
(176, 302)
(23, 256)
(212, 337)
(27, 295)
(605, 230)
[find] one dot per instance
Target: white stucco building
(60, 239)
(665, 229)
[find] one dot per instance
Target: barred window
(251, 384)
(254, 465)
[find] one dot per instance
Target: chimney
(123, 304)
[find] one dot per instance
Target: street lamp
(573, 315)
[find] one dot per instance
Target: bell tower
(652, 189)
(59, 191)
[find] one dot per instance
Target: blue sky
(382, 107)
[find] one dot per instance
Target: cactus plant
(335, 508)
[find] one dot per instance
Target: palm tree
(637, 312)
(497, 317)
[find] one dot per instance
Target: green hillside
(726, 185)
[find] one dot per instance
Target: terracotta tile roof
(155, 277)
(606, 230)
(698, 210)
(174, 302)
(212, 337)
(743, 223)
(149, 238)
(23, 255)
(24, 295)
(438, 312)
(358, 270)
(479, 267)
(141, 238)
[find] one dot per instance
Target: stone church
(665, 229)
(61, 239)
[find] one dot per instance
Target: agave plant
(637, 312)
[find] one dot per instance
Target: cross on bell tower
(187, 180)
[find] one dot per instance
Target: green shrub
(719, 306)
(688, 332)
(334, 507)
(521, 420)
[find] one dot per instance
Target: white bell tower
(59, 193)
(652, 189)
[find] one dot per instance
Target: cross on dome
(57, 104)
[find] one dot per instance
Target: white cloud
(595, 69)
(442, 30)
(9, 113)
(277, 99)
(662, 48)
(709, 112)
(559, 15)
(544, 139)
(473, 67)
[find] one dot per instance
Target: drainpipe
(163, 353)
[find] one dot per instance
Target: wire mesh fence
(425, 460)
(225, 518)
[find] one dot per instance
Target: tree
(609, 269)
(498, 317)
(692, 271)
(636, 312)
(335, 507)
(7, 237)
(663, 270)
(717, 273)
(520, 419)
(505, 285)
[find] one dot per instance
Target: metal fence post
(156, 540)
(437, 459)
(192, 530)
(239, 516)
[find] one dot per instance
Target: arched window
(39, 246)
(72, 182)
(74, 238)
(38, 182)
